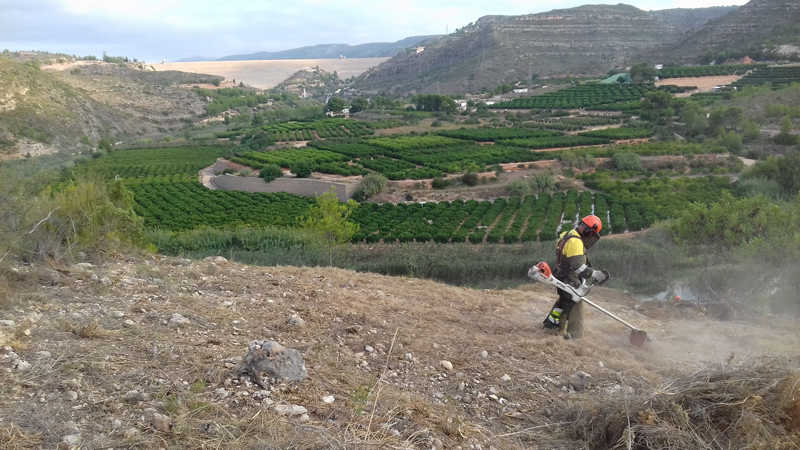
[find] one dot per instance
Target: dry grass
(12, 437)
(390, 402)
(743, 407)
(91, 330)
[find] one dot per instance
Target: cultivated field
(703, 84)
(267, 74)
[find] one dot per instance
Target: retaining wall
(300, 186)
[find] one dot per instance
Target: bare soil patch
(703, 84)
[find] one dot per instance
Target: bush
(440, 183)
(750, 131)
(731, 141)
(470, 179)
(519, 188)
(270, 172)
(627, 161)
(543, 183)
(751, 187)
(301, 170)
(372, 184)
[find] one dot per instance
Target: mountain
(587, 40)
(49, 103)
(760, 29)
(324, 51)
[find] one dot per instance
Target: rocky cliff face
(758, 29)
(586, 40)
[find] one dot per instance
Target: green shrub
(731, 141)
(372, 184)
(270, 172)
(301, 170)
(519, 188)
(627, 161)
(750, 131)
(751, 187)
(470, 179)
(440, 183)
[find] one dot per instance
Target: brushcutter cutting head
(638, 338)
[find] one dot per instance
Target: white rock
(484, 354)
(368, 349)
(72, 440)
(178, 320)
(290, 410)
(506, 378)
(129, 323)
(117, 314)
(408, 356)
(71, 396)
(446, 365)
(116, 424)
(227, 303)
(328, 399)
(22, 365)
(304, 418)
(295, 321)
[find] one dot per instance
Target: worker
(573, 267)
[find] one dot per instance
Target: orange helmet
(593, 223)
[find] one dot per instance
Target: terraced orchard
(305, 131)
(581, 96)
(623, 207)
(177, 162)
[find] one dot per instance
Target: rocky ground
(145, 353)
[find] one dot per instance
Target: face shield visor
(589, 238)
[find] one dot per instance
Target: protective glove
(600, 276)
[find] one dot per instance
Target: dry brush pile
(751, 406)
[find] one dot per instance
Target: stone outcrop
(587, 40)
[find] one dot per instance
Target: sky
(152, 30)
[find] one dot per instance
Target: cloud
(154, 29)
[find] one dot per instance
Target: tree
(642, 73)
(371, 184)
(434, 102)
(336, 104)
(328, 221)
(694, 118)
(270, 172)
(301, 169)
(359, 104)
(627, 161)
(543, 183)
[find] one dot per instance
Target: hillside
(587, 40)
(141, 352)
(323, 51)
(760, 29)
(73, 104)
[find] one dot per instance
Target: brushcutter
(543, 273)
